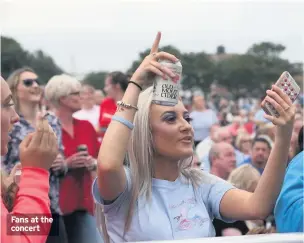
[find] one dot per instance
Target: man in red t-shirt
(115, 85)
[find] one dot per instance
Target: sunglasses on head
(29, 82)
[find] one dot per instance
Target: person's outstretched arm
(242, 205)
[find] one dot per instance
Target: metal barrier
(263, 238)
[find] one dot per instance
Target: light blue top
(173, 212)
(259, 116)
(288, 211)
(202, 121)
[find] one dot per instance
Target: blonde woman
(161, 197)
(245, 177)
(244, 143)
(81, 147)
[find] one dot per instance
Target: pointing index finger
(156, 43)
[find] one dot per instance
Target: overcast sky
(92, 35)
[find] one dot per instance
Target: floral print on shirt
(18, 133)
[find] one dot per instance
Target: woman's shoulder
(207, 178)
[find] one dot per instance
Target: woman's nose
(15, 117)
(35, 84)
(185, 125)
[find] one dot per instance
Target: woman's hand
(91, 163)
(59, 163)
(286, 110)
(40, 148)
(151, 66)
(77, 160)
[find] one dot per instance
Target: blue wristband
(123, 121)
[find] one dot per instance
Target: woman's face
(246, 145)
(171, 131)
(28, 89)
(110, 89)
(198, 102)
(72, 101)
(87, 97)
(8, 115)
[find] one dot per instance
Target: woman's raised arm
(111, 176)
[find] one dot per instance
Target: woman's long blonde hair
(141, 153)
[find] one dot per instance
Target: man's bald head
(216, 148)
(223, 134)
(222, 159)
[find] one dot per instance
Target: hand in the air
(284, 107)
(150, 64)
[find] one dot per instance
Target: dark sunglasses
(29, 82)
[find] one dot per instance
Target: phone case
(289, 86)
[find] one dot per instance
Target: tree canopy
(253, 71)
(13, 56)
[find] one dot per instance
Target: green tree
(43, 65)
(196, 66)
(170, 49)
(266, 50)
(13, 56)
(96, 79)
(198, 70)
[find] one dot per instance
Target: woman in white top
(161, 197)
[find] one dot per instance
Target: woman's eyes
(188, 119)
(8, 105)
(173, 118)
(170, 118)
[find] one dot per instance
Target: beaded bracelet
(124, 105)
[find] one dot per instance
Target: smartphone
(289, 87)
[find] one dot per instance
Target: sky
(95, 35)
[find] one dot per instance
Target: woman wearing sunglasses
(25, 87)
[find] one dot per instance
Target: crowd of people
(119, 168)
